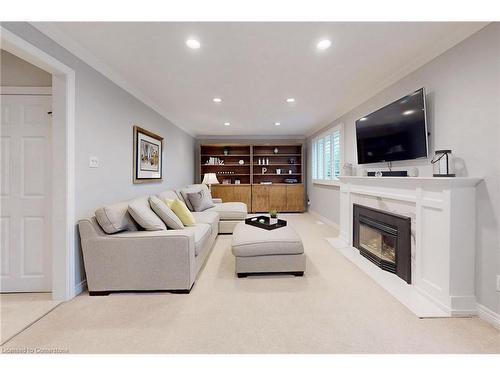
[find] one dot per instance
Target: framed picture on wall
(148, 156)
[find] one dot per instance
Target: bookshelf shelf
(277, 192)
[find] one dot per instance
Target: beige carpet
(19, 310)
(335, 308)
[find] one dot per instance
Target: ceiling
(255, 66)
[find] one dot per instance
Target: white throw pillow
(165, 213)
(140, 210)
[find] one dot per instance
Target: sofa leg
(298, 273)
(99, 293)
(241, 275)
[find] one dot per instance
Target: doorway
(61, 230)
(25, 195)
(26, 259)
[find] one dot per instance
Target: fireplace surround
(442, 212)
(383, 238)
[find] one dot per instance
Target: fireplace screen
(380, 244)
(384, 239)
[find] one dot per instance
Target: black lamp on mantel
(442, 164)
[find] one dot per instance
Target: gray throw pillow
(184, 194)
(165, 213)
(200, 200)
(115, 218)
(141, 211)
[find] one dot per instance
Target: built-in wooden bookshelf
(236, 167)
(277, 163)
(263, 176)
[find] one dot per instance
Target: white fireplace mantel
(444, 223)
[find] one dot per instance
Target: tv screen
(397, 131)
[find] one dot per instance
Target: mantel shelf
(428, 181)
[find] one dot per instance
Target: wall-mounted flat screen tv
(397, 131)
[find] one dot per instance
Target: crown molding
(439, 47)
(54, 33)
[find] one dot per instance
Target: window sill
(335, 182)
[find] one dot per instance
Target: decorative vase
(273, 220)
(275, 150)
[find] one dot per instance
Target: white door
(26, 260)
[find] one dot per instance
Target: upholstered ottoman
(261, 251)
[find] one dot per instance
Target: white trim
(53, 32)
(25, 90)
(488, 315)
(80, 287)
(63, 194)
(439, 47)
(320, 217)
(334, 182)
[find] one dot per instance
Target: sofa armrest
(217, 200)
(139, 260)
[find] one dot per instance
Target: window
(326, 155)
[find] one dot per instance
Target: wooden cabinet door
(224, 192)
(260, 198)
(295, 198)
(277, 198)
(243, 194)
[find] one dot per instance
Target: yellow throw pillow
(182, 212)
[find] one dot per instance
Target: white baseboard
(324, 219)
(488, 315)
(80, 287)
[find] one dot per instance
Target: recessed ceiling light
(290, 100)
(277, 123)
(323, 44)
(193, 43)
(409, 112)
(227, 124)
(363, 119)
(217, 100)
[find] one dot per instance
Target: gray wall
(20, 73)
(463, 98)
(105, 114)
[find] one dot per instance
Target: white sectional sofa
(230, 213)
(119, 256)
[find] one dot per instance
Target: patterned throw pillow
(200, 200)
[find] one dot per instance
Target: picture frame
(147, 157)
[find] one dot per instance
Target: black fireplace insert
(384, 239)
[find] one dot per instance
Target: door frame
(63, 217)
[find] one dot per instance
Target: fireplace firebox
(384, 239)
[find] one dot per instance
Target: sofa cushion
(251, 241)
(201, 233)
(200, 201)
(182, 212)
(142, 213)
(208, 217)
(230, 210)
(165, 213)
(167, 194)
(115, 218)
